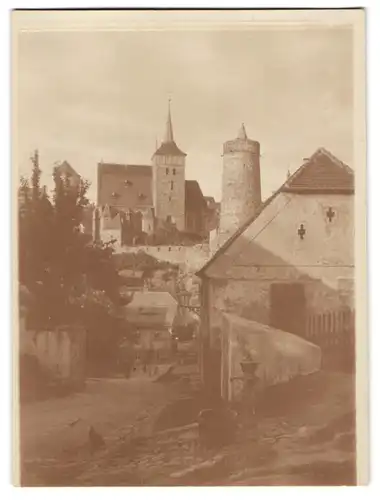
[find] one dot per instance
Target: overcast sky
(86, 97)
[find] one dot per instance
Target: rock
(217, 427)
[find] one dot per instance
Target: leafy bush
(72, 279)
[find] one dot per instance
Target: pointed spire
(242, 133)
(169, 127)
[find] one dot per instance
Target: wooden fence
(334, 332)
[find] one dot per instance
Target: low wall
(191, 257)
(60, 352)
(281, 356)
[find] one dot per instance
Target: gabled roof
(149, 308)
(194, 199)
(312, 177)
(322, 172)
(126, 186)
(169, 149)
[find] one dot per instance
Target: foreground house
(152, 315)
(291, 260)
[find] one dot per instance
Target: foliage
(72, 279)
(141, 261)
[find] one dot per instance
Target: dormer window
(142, 196)
(115, 195)
(128, 183)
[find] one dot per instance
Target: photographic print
(189, 218)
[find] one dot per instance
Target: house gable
(323, 176)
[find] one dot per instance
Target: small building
(152, 314)
(195, 209)
(292, 258)
(131, 280)
(213, 213)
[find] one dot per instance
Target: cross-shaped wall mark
(330, 214)
(301, 231)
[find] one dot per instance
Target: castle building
(158, 192)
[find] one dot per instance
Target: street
(288, 448)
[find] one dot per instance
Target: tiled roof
(169, 149)
(307, 179)
(321, 172)
(125, 186)
(194, 199)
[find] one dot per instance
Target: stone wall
(281, 356)
(188, 257)
(111, 234)
(61, 352)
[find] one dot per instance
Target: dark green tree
(73, 280)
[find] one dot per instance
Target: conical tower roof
(242, 134)
(169, 127)
(168, 146)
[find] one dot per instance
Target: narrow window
(167, 171)
(174, 172)
(171, 185)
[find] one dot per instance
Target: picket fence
(334, 332)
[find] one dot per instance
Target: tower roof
(168, 146)
(169, 127)
(242, 134)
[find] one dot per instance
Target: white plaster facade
(270, 251)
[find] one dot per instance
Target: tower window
(174, 172)
(171, 185)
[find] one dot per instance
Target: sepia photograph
(189, 225)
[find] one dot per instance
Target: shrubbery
(72, 280)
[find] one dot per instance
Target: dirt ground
(303, 434)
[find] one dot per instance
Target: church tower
(241, 185)
(169, 179)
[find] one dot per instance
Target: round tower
(241, 185)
